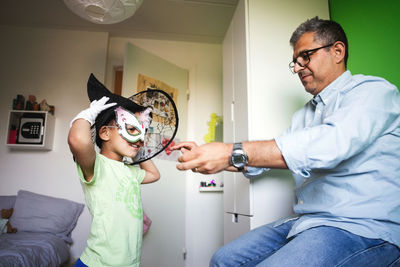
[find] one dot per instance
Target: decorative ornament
(163, 126)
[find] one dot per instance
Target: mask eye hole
(132, 130)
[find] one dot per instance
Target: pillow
(7, 202)
(44, 214)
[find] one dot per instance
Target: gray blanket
(25, 249)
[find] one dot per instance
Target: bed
(44, 225)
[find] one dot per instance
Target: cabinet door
(234, 226)
(228, 102)
(242, 195)
(236, 191)
(240, 107)
(240, 84)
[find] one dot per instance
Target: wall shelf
(211, 189)
(30, 130)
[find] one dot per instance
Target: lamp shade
(104, 11)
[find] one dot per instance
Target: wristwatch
(239, 158)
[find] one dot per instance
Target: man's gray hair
(326, 32)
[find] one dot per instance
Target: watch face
(238, 158)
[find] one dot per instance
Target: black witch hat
(96, 90)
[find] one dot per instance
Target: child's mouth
(134, 145)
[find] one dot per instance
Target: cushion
(39, 213)
(7, 202)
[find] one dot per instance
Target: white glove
(145, 117)
(96, 107)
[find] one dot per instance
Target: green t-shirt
(113, 199)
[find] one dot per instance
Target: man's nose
(297, 67)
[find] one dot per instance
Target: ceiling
(179, 20)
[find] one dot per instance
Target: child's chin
(131, 155)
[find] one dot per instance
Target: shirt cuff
(253, 172)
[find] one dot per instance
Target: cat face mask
(129, 126)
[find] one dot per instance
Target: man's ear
(104, 133)
(339, 50)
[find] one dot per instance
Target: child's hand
(96, 107)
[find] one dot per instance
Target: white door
(163, 201)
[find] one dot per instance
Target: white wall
(52, 65)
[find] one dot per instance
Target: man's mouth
(303, 76)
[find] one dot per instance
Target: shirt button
(301, 202)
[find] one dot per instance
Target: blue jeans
(319, 246)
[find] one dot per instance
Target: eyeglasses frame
(307, 53)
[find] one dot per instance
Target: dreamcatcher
(164, 124)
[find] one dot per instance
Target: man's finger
(186, 145)
(186, 166)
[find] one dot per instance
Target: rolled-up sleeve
(254, 172)
(350, 123)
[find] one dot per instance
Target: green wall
(373, 30)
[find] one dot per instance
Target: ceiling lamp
(104, 11)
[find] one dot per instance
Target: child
(112, 188)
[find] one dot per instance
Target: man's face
(320, 71)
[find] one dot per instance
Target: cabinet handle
(232, 111)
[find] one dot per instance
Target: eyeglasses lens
(302, 60)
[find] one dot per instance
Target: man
(343, 149)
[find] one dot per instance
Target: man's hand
(207, 159)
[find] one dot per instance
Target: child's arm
(81, 146)
(152, 173)
(79, 137)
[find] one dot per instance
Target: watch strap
(237, 146)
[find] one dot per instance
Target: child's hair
(107, 116)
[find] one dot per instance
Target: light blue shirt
(343, 149)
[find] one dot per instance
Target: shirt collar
(326, 94)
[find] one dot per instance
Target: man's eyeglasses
(304, 58)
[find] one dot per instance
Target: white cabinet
(30, 130)
(260, 95)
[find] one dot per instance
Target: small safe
(31, 130)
